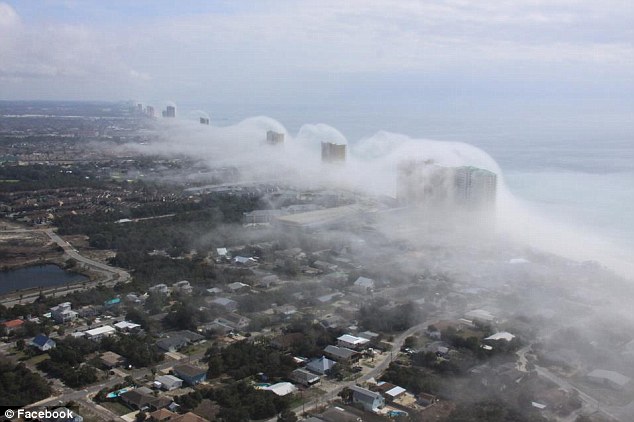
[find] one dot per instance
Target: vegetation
(15, 380)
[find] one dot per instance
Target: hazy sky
(316, 51)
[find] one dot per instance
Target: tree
(20, 344)
(287, 415)
(140, 417)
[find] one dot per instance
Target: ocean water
(572, 162)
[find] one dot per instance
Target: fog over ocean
(573, 164)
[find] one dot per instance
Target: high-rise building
(475, 188)
(149, 111)
(204, 120)
(169, 112)
(333, 153)
(274, 138)
(139, 107)
(428, 185)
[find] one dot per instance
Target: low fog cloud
(371, 167)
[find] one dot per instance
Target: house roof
(353, 340)
(321, 364)
(162, 414)
(282, 388)
(100, 330)
(223, 301)
(303, 375)
(189, 417)
(41, 339)
(111, 358)
(396, 391)
(364, 282)
(138, 397)
(168, 379)
(364, 394)
(189, 370)
(126, 325)
(174, 342)
(340, 352)
(503, 335)
(13, 323)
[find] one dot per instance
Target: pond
(47, 275)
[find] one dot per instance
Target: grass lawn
(196, 348)
(116, 407)
(37, 359)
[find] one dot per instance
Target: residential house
(320, 365)
(176, 340)
(126, 326)
(189, 417)
(139, 398)
(286, 310)
(191, 374)
(13, 324)
(159, 289)
(363, 285)
(214, 290)
(480, 315)
(112, 360)
(98, 333)
(342, 354)
(183, 287)
(162, 415)
(244, 261)
(235, 321)
(352, 342)
(169, 382)
(63, 313)
(304, 377)
(368, 400)
(229, 304)
(43, 343)
(281, 388)
(238, 287)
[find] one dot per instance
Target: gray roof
(340, 352)
(361, 393)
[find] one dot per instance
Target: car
(357, 369)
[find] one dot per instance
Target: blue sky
(317, 51)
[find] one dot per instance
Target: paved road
(373, 373)
(110, 275)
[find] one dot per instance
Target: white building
(97, 334)
(352, 342)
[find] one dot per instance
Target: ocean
(574, 163)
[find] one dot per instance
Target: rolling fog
(371, 167)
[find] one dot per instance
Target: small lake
(48, 275)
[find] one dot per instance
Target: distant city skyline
(311, 52)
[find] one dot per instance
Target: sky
(317, 52)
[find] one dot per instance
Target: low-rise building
(235, 321)
(369, 400)
(342, 354)
(183, 287)
(229, 304)
(191, 374)
(320, 365)
(352, 342)
(304, 377)
(363, 285)
(159, 289)
(169, 382)
(112, 360)
(98, 333)
(63, 313)
(43, 343)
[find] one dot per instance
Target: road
(373, 373)
(84, 396)
(110, 275)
